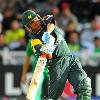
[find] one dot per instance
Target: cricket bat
(47, 48)
(36, 78)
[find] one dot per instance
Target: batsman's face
(35, 25)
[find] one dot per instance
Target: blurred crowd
(79, 19)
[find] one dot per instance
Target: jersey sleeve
(29, 51)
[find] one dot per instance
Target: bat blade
(36, 78)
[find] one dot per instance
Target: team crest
(29, 16)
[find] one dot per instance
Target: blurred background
(80, 21)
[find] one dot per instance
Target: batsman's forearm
(26, 65)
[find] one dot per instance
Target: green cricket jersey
(61, 48)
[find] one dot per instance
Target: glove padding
(48, 46)
(49, 19)
(47, 38)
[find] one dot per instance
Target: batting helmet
(28, 16)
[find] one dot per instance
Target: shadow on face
(35, 25)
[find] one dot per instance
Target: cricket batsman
(61, 63)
